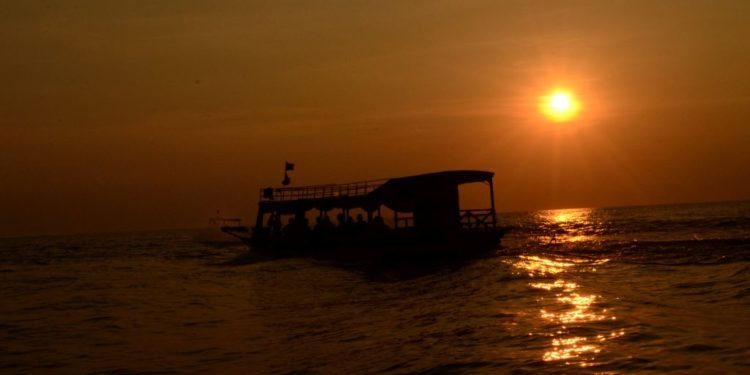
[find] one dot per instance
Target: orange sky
(147, 115)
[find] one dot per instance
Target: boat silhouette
(427, 218)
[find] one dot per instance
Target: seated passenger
(349, 225)
(327, 225)
(378, 226)
(289, 229)
(274, 224)
(360, 226)
(302, 225)
(318, 229)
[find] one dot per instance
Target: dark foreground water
(663, 289)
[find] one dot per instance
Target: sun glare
(560, 105)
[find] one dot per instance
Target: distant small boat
(212, 236)
(427, 219)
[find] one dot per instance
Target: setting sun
(560, 105)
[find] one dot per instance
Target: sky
(140, 115)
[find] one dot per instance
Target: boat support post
(492, 203)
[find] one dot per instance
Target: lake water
(621, 290)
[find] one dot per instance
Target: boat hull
(391, 246)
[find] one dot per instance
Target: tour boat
(426, 218)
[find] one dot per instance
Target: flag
(287, 167)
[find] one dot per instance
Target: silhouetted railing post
(492, 203)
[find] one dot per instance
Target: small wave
(99, 318)
(699, 348)
(707, 284)
(457, 368)
(639, 337)
(355, 338)
(203, 323)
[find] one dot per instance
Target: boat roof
(427, 180)
(392, 192)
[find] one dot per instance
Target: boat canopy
(401, 194)
(405, 193)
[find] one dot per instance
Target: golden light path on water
(572, 306)
(564, 226)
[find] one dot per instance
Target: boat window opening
(387, 215)
(474, 195)
(476, 206)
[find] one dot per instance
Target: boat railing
(477, 219)
(320, 191)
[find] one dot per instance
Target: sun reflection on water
(569, 348)
(566, 226)
(581, 311)
(571, 307)
(538, 266)
(558, 284)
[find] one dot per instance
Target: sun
(560, 105)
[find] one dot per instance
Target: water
(662, 288)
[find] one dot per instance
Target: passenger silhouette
(349, 225)
(378, 226)
(302, 225)
(288, 230)
(318, 224)
(360, 226)
(327, 225)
